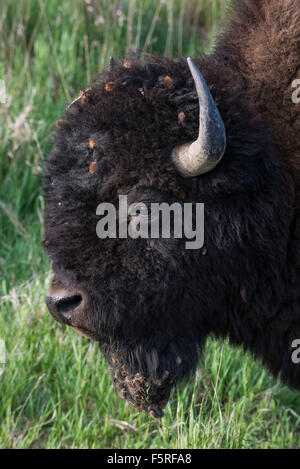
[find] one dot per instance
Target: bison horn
(201, 156)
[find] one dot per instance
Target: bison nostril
(68, 303)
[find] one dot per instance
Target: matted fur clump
(151, 303)
(142, 393)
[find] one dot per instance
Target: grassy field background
(55, 391)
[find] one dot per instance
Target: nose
(63, 304)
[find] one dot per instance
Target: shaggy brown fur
(152, 303)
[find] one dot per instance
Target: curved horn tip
(204, 154)
(191, 64)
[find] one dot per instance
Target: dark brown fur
(152, 303)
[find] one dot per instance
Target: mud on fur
(143, 394)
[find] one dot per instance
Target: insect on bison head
(151, 302)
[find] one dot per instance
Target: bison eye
(140, 210)
(143, 211)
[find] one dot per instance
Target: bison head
(151, 302)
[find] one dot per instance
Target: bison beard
(141, 392)
(151, 303)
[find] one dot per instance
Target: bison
(223, 130)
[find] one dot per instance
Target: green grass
(55, 391)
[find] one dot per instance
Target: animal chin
(142, 393)
(86, 333)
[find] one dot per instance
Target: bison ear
(201, 156)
